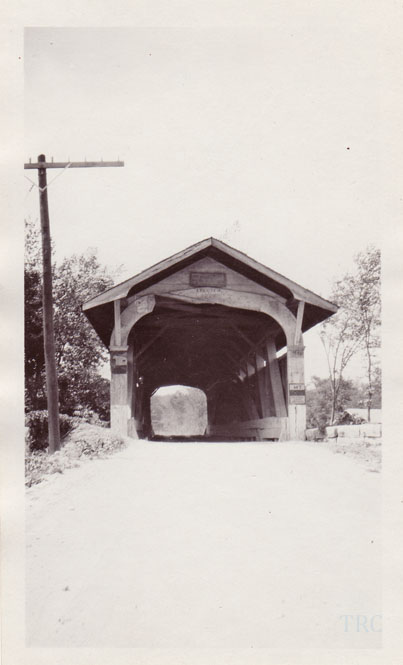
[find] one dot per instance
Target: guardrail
(365, 431)
(263, 428)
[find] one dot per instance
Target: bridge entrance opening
(178, 411)
(205, 346)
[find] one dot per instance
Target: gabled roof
(234, 258)
(98, 309)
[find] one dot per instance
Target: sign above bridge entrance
(217, 279)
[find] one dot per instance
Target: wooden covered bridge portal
(212, 318)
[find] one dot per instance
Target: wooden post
(259, 399)
(52, 390)
(275, 378)
(264, 394)
(252, 406)
(118, 327)
(298, 326)
(131, 392)
(296, 393)
(120, 410)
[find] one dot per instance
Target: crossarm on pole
(71, 165)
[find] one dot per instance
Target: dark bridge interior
(201, 345)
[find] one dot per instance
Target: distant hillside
(181, 413)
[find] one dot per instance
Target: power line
(47, 296)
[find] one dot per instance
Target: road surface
(192, 544)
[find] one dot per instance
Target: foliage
(79, 351)
(76, 279)
(346, 418)
(376, 396)
(366, 316)
(85, 442)
(355, 327)
(35, 397)
(84, 389)
(180, 413)
(319, 401)
(37, 423)
(88, 416)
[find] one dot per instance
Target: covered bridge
(211, 318)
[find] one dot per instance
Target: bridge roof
(99, 309)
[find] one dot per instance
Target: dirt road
(205, 545)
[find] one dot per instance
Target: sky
(265, 138)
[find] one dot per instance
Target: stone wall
(371, 432)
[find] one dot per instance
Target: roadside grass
(85, 442)
(366, 452)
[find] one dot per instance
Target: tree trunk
(369, 400)
(334, 396)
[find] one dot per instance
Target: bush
(346, 418)
(39, 464)
(92, 441)
(89, 416)
(37, 423)
(85, 442)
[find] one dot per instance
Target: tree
(339, 343)
(35, 395)
(367, 312)
(79, 351)
(377, 388)
(321, 410)
(355, 327)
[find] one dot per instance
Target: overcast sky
(266, 139)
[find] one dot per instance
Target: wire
(42, 189)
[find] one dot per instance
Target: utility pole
(47, 298)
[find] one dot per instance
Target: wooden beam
(275, 377)
(271, 427)
(149, 343)
(270, 410)
(298, 326)
(234, 363)
(241, 334)
(70, 165)
(258, 388)
(52, 391)
(257, 346)
(201, 320)
(262, 372)
(251, 402)
(118, 325)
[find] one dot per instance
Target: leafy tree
(79, 351)
(321, 410)
(34, 352)
(355, 327)
(377, 388)
(78, 348)
(366, 316)
(35, 395)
